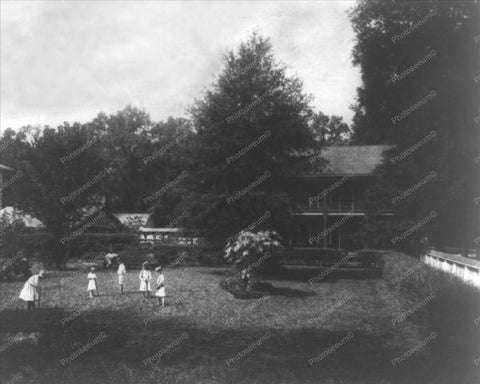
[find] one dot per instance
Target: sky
(69, 60)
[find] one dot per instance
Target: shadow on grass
(178, 347)
(20, 320)
(305, 273)
(282, 291)
(261, 289)
(319, 274)
(221, 272)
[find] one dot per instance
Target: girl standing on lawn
(122, 271)
(31, 290)
(160, 287)
(145, 278)
(92, 282)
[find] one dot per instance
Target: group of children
(31, 290)
(145, 281)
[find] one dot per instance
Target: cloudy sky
(69, 60)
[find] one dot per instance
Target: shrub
(313, 256)
(40, 244)
(35, 245)
(89, 246)
(171, 255)
(14, 268)
(101, 242)
(451, 314)
(251, 253)
(252, 250)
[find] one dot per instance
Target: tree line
(419, 62)
(225, 166)
(254, 119)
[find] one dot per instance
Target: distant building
(100, 221)
(133, 221)
(14, 215)
(329, 195)
(3, 169)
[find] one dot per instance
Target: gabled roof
(358, 160)
(128, 218)
(150, 222)
(100, 219)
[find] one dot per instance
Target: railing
(167, 235)
(333, 206)
(466, 269)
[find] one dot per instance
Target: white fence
(466, 269)
(167, 235)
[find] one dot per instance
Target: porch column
(325, 221)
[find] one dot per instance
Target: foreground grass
(204, 335)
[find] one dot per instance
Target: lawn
(336, 331)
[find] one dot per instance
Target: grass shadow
(179, 347)
(282, 291)
(21, 320)
(318, 274)
(182, 348)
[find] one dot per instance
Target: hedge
(89, 243)
(40, 245)
(173, 255)
(452, 313)
(36, 245)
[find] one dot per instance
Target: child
(145, 277)
(24, 268)
(92, 282)
(122, 271)
(31, 290)
(109, 259)
(160, 287)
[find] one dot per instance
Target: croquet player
(31, 290)
(122, 271)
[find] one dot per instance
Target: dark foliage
(406, 51)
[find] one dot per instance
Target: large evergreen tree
(251, 127)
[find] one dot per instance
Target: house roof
(359, 160)
(109, 219)
(140, 218)
(5, 168)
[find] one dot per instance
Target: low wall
(466, 269)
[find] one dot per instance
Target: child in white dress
(145, 278)
(160, 287)
(92, 282)
(122, 271)
(31, 290)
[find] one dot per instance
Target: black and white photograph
(240, 192)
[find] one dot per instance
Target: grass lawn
(204, 335)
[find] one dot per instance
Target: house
(133, 220)
(100, 221)
(3, 169)
(329, 196)
(168, 235)
(172, 233)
